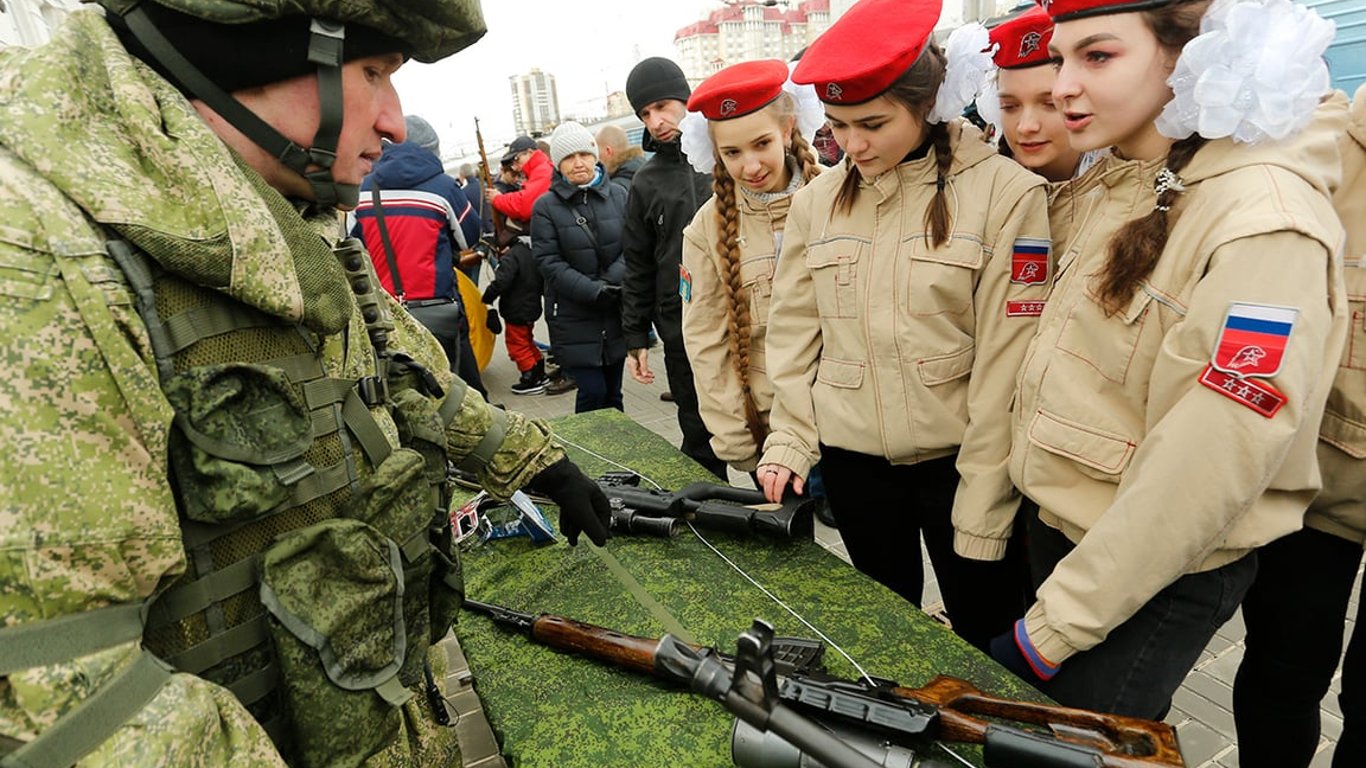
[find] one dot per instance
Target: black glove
(492, 322)
(609, 296)
(583, 505)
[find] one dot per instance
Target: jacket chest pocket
(1109, 345)
(943, 279)
(756, 277)
(834, 267)
(1354, 356)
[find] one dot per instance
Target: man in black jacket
(665, 194)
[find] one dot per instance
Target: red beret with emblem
(1023, 41)
(739, 89)
(1067, 10)
(867, 49)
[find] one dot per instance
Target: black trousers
(696, 438)
(1295, 613)
(1142, 662)
(448, 324)
(883, 509)
(599, 386)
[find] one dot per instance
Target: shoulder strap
(590, 228)
(388, 244)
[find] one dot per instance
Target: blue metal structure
(1347, 55)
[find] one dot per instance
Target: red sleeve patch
(1024, 308)
(1252, 393)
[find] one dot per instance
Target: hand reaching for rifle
(638, 365)
(583, 506)
(774, 479)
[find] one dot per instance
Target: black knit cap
(237, 56)
(654, 79)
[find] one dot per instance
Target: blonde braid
(806, 157)
(737, 303)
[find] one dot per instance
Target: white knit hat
(569, 138)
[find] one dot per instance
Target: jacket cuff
(1041, 666)
(745, 465)
(637, 340)
(978, 547)
(1047, 643)
(799, 462)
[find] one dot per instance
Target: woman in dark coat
(576, 238)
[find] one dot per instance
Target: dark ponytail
(1136, 248)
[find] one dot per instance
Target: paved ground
(1203, 706)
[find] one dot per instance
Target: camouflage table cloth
(558, 711)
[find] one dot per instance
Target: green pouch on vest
(334, 592)
(240, 436)
(397, 501)
(422, 428)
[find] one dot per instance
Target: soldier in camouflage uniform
(222, 534)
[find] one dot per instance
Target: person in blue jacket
(428, 222)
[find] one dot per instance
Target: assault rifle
(706, 505)
(948, 709)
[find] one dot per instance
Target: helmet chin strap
(324, 49)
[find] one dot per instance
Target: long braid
(737, 304)
(1135, 249)
(807, 164)
(937, 215)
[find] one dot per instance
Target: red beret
(868, 48)
(1067, 10)
(1023, 41)
(739, 89)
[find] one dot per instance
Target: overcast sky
(588, 45)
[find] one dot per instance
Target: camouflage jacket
(92, 143)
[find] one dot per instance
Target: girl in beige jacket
(1296, 610)
(909, 285)
(1169, 406)
(743, 128)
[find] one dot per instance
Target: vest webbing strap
(61, 639)
(362, 424)
(253, 687)
(184, 601)
(324, 392)
(493, 439)
(299, 368)
(193, 325)
(325, 422)
(455, 398)
(478, 745)
(239, 639)
(89, 725)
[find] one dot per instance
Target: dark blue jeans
(599, 387)
(1142, 662)
(884, 508)
(1295, 613)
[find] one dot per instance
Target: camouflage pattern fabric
(433, 29)
(563, 711)
(92, 140)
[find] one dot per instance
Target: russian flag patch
(1251, 345)
(1029, 261)
(1253, 340)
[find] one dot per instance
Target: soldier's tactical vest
(320, 566)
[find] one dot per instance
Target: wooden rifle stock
(1124, 742)
(1118, 742)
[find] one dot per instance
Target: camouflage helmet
(432, 29)
(426, 30)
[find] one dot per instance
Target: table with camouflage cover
(556, 710)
